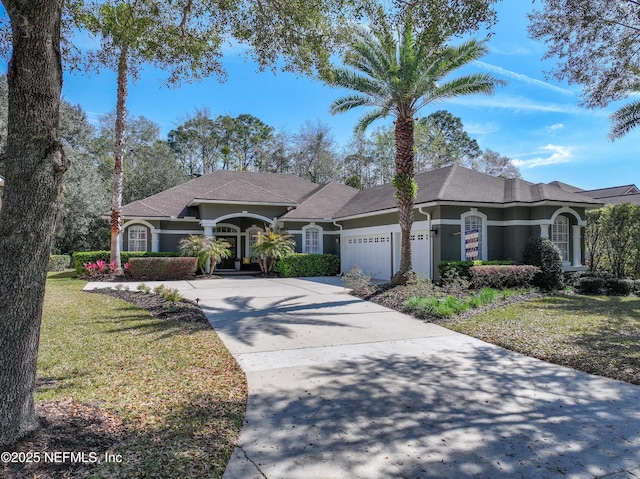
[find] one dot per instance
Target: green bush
(59, 262)
(463, 268)
(82, 257)
(503, 276)
(618, 286)
(589, 285)
(162, 268)
(636, 286)
(301, 264)
(541, 252)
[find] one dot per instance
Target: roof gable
(222, 186)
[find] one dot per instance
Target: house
(459, 214)
(613, 195)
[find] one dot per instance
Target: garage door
(421, 252)
(372, 253)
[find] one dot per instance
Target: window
(137, 238)
(251, 240)
(312, 238)
(560, 236)
(473, 237)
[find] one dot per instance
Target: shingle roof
(322, 203)
(458, 184)
(310, 201)
(245, 186)
(611, 191)
(565, 186)
(633, 198)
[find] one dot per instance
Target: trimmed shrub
(541, 252)
(589, 285)
(301, 264)
(503, 276)
(463, 268)
(636, 286)
(618, 286)
(162, 268)
(59, 262)
(82, 257)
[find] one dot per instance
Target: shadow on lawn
(612, 347)
(483, 412)
(195, 440)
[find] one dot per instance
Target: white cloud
(522, 78)
(555, 127)
(509, 49)
(517, 103)
(554, 154)
(481, 128)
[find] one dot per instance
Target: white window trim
(250, 232)
(565, 260)
(463, 217)
(320, 237)
(137, 228)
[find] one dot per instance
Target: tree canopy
(596, 44)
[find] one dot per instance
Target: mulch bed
(83, 428)
(184, 310)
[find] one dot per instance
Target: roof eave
(197, 202)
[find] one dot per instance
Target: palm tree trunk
(118, 172)
(405, 194)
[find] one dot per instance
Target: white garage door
(372, 253)
(421, 252)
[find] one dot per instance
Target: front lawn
(595, 334)
(173, 396)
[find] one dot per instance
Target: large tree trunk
(35, 164)
(119, 148)
(405, 195)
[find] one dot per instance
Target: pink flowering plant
(100, 269)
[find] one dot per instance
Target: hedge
(301, 264)
(59, 262)
(82, 257)
(463, 268)
(503, 276)
(162, 268)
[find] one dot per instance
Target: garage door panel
(372, 253)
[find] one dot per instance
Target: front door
(228, 263)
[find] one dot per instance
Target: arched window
(473, 243)
(560, 235)
(312, 239)
(137, 238)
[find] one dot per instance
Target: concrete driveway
(343, 388)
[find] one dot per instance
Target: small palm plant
(207, 249)
(272, 246)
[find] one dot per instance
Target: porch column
(121, 239)
(544, 231)
(208, 230)
(577, 246)
(155, 241)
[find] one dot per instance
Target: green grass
(179, 391)
(449, 306)
(596, 334)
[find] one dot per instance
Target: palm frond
(366, 120)
(348, 102)
(624, 120)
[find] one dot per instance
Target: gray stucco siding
(214, 211)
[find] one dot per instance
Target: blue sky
(533, 120)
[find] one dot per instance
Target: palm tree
(207, 249)
(273, 246)
(397, 75)
(624, 120)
